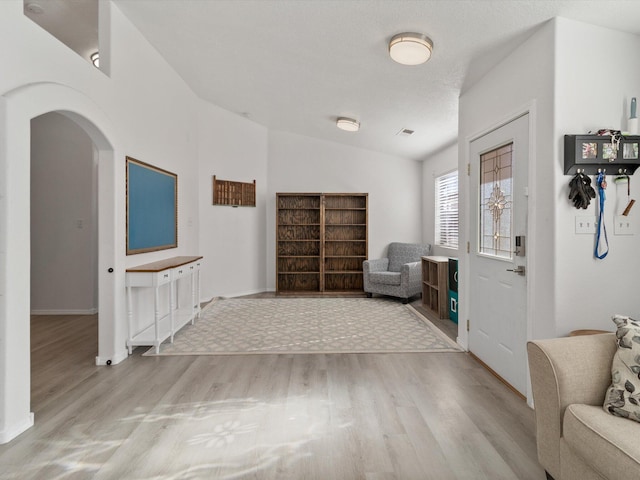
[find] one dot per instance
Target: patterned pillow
(623, 396)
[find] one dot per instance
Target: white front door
(498, 214)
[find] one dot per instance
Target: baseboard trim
(90, 311)
(240, 294)
(115, 359)
(493, 372)
(7, 435)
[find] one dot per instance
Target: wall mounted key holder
(590, 154)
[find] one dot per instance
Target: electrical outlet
(622, 225)
(586, 225)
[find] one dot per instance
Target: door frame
(468, 230)
(17, 108)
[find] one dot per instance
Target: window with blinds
(446, 234)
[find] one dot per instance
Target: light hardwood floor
(346, 416)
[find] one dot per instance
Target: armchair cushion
(603, 440)
(385, 278)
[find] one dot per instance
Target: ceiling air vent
(405, 132)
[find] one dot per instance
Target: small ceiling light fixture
(410, 48)
(348, 124)
(34, 8)
(95, 59)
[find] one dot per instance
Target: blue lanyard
(602, 184)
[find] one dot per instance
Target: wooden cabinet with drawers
(171, 272)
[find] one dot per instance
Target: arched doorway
(64, 218)
(64, 243)
(17, 109)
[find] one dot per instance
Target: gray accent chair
(398, 275)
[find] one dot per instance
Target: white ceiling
(73, 22)
(296, 65)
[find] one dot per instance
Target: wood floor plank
(434, 463)
(405, 460)
(345, 416)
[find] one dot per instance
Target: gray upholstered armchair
(398, 275)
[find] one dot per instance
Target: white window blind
(447, 210)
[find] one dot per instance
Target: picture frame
(152, 208)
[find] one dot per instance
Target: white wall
(595, 78)
(63, 193)
(232, 239)
(302, 164)
(522, 82)
(144, 110)
(438, 164)
(574, 78)
(158, 123)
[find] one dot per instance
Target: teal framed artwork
(152, 208)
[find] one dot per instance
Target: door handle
(519, 270)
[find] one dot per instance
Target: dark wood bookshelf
(321, 242)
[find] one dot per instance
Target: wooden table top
(166, 264)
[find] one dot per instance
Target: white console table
(154, 275)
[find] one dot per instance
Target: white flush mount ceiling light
(348, 124)
(95, 59)
(410, 48)
(33, 8)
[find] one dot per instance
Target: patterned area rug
(307, 325)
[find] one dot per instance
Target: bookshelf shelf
(434, 285)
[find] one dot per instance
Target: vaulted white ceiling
(296, 65)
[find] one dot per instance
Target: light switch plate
(586, 225)
(622, 225)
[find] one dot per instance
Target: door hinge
(468, 169)
(468, 247)
(467, 324)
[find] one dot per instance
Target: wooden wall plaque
(234, 194)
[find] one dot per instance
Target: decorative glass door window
(496, 185)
